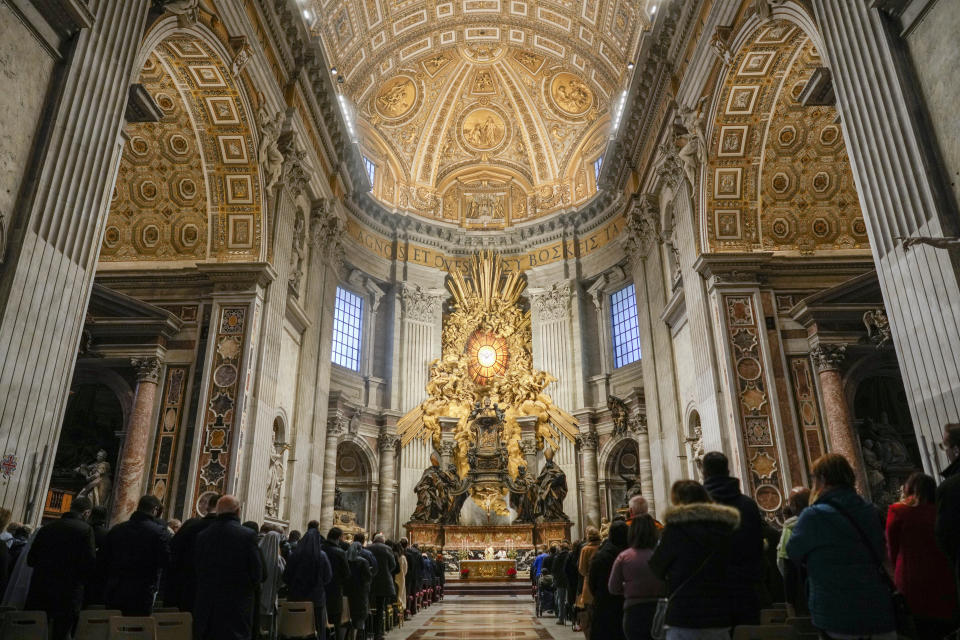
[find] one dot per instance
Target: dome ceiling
(482, 113)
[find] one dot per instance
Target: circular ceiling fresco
(481, 113)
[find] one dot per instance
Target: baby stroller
(546, 594)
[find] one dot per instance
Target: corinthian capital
(588, 441)
(327, 229)
(387, 442)
(148, 369)
(643, 225)
(828, 357)
(336, 424)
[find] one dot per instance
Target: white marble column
(336, 427)
(889, 144)
(52, 249)
(591, 491)
(387, 442)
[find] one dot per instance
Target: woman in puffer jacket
(692, 559)
(632, 578)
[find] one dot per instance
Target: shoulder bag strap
(866, 542)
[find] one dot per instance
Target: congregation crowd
(230, 576)
(715, 562)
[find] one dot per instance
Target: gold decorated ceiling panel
(779, 178)
(188, 187)
(481, 112)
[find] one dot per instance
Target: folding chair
(765, 632)
(132, 628)
(24, 625)
(296, 620)
(94, 624)
(172, 625)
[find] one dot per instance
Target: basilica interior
(472, 272)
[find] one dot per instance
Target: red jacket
(922, 573)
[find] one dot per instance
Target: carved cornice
(238, 277)
(148, 369)
(828, 357)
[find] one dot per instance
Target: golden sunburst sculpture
(486, 353)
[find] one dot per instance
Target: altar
(488, 569)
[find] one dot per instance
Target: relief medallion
(396, 97)
(483, 129)
(571, 94)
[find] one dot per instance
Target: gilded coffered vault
(188, 186)
(778, 178)
(483, 113)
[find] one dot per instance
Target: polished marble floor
(480, 618)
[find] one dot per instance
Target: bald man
(229, 569)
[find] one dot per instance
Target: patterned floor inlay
(467, 618)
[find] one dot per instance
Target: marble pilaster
(587, 443)
(892, 153)
(336, 427)
(53, 243)
(133, 456)
(387, 444)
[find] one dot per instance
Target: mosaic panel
(743, 330)
(219, 416)
(168, 430)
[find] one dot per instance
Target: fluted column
(388, 483)
(892, 153)
(336, 426)
(133, 456)
(53, 235)
(587, 443)
(843, 437)
(645, 466)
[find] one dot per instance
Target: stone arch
(356, 478)
(778, 177)
(622, 461)
(189, 187)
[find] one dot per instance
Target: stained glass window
(347, 323)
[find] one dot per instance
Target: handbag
(658, 628)
(901, 611)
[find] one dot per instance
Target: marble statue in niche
(275, 480)
(99, 480)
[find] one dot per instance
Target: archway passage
(354, 484)
(623, 476)
(93, 423)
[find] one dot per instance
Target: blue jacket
(538, 564)
(846, 592)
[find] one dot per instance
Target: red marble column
(843, 437)
(128, 483)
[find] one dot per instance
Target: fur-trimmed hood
(703, 512)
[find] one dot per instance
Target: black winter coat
(560, 570)
(339, 581)
(134, 555)
(358, 591)
(308, 571)
(607, 619)
(746, 554)
(383, 586)
(228, 571)
(63, 557)
(572, 570)
(180, 581)
(414, 569)
(696, 545)
(947, 527)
